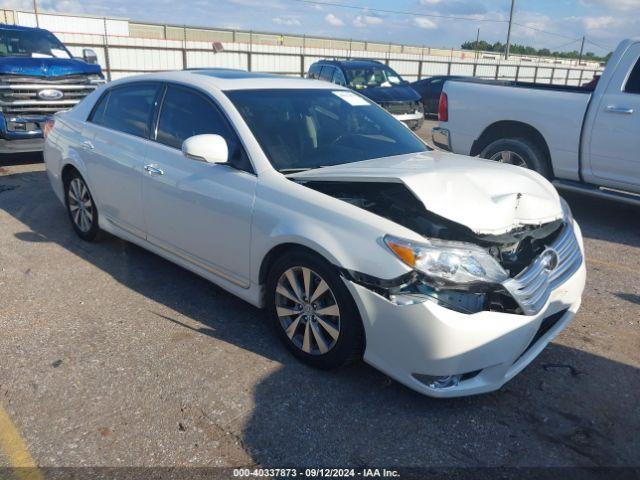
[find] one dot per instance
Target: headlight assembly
(448, 263)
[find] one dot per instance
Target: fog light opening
(439, 382)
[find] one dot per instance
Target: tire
(518, 151)
(81, 207)
(316, 335)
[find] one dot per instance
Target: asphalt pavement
(112, 356)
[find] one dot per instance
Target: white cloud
(334, 20)
(424, 22)
(364, 20)
(430, 2)
(289, 21)
(596, 23)
(620, 5)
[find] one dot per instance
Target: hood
(399, 93)
(46, 67)
(488, 197)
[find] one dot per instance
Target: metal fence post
(553, 74)
(517, 72)
(566, 78)
(250, 52)
(580, 79)
(107, 63)
(535, 74)
(184, 47)
(449, 68)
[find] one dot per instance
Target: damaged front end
(456, 267)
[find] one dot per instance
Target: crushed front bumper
(413, 120)
(417, 343)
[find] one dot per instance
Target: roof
(228, 79)
(353, 62)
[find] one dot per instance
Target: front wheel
(313, 311)
(520, 152)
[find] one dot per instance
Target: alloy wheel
(80, 205)
(307, 310)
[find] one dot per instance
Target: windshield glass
(31, 43)
(311, 128)
(372, 76)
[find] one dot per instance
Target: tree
(517, 49)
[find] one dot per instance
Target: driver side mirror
(89, 56)
(207, 147)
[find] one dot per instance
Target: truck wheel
(518, 151)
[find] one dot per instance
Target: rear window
(127, 109)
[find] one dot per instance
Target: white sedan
(449, 274)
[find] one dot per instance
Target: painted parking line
(13, 446)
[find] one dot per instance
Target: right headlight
(448, 263)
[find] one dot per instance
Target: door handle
(151, 170)
(88, 145)
(624, 110)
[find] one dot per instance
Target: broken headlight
(448, 263)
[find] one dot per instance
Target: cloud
(334, 20)
(430, 2)
(596, 23)
(619, 5)
(289, 21)
(424, 22)
(364, 20)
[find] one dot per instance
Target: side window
(338, 77)
(633, 83)
(326, 73)
(127, 109)
(186, 113)
(314, 70)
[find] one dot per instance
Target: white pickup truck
(583, 139)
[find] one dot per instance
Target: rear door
(614, 145)
(197, 210)
(114, 149)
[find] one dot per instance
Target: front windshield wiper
(299, 169)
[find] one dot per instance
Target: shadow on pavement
(569, 407)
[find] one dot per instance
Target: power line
(606, 49)
(400, 12)
(557, 49)
(541, 30)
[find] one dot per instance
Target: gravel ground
(112, 356)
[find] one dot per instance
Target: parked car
(585, 141)
(446, 273)
(38, 77)
(429, 89)
(376, 81)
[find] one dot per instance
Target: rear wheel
(81, 207)
(520, 152)
(313, 311)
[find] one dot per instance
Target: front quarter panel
(345, 235)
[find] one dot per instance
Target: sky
(553, 24)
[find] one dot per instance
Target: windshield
(311, 128)
(372, 76)
(31, 43)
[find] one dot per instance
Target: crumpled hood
(46, 67)
(488, 197)
(398, 93)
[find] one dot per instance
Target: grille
(19, 95)
(532, 287)
(399, 108)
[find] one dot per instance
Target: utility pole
(477, 40)
(506, 52)
(581, 51)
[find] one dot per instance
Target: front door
(197, 210)
(614, 143)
